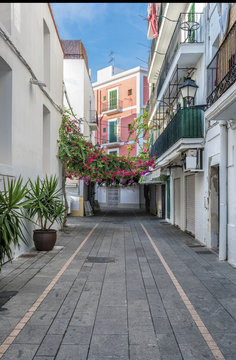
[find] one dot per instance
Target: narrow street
(119, 285)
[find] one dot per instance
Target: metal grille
(100, 260)
(28, 255)
(203, 252)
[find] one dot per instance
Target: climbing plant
(141, 129)
(82, 160)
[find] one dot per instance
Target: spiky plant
(45, 202)
(12, 216)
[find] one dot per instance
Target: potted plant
(47, 207)
(12, 216)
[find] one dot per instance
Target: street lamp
(188, 90)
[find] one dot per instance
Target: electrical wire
(22, 59)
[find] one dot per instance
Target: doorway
(214, 206)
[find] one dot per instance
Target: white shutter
(112, 196)
(177, 201)
(190, 204)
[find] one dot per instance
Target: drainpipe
(223, 191)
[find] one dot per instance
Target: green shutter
(191, 17)
(168, 197)
(113, 152)
(112, 131)
(113, 99)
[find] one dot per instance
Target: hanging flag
(152, 17)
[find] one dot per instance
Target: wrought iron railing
(187, 123)
(112, 105)
(179, 37)
(221, 72)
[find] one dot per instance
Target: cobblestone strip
(8, 341)
(202, 328)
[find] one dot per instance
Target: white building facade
(79, 99)
(195, 140)
(30, 117)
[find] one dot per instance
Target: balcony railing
(221, 72)
(93, 117)
(112, 106)
(180, 36)
(187, 123)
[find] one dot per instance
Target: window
(113, 151)
(112, 130)
(104, 98)
(104, 130)
(6, 113)
(113, 99)
(130, 92)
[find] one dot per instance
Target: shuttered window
(191, 18)
(113, 131)
(113, 99)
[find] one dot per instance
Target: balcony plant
(46, 205)
(12, 217)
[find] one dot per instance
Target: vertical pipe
(223, 191)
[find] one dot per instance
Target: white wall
(129, 195)
(27, 99)
(80, 92)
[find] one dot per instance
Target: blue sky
(106, 27)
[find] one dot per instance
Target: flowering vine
(82, 160)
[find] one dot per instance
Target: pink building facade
(120, 96)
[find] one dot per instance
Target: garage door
(113, 196)
(190, 204)
(177, 201)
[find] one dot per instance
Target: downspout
(223, 191)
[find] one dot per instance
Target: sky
(106, 27)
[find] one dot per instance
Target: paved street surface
(123, 294)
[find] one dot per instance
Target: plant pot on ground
(12, 217)
(47, 207)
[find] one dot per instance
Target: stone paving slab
(128, 309)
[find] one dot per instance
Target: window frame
(108, 132)
(109, 91)
(112, 150)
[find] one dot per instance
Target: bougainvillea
(85, 161)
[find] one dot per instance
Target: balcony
(184, 50)
(93, 120)
(183, 38)
(221, 72)
(111, 107)
(187, 123)
(116, 141)
(161, 42)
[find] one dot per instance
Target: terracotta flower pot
(44, 240)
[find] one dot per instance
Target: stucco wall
(27, 99)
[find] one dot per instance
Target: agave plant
(45, 202)
(12, 216)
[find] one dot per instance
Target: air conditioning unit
(193, 160)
